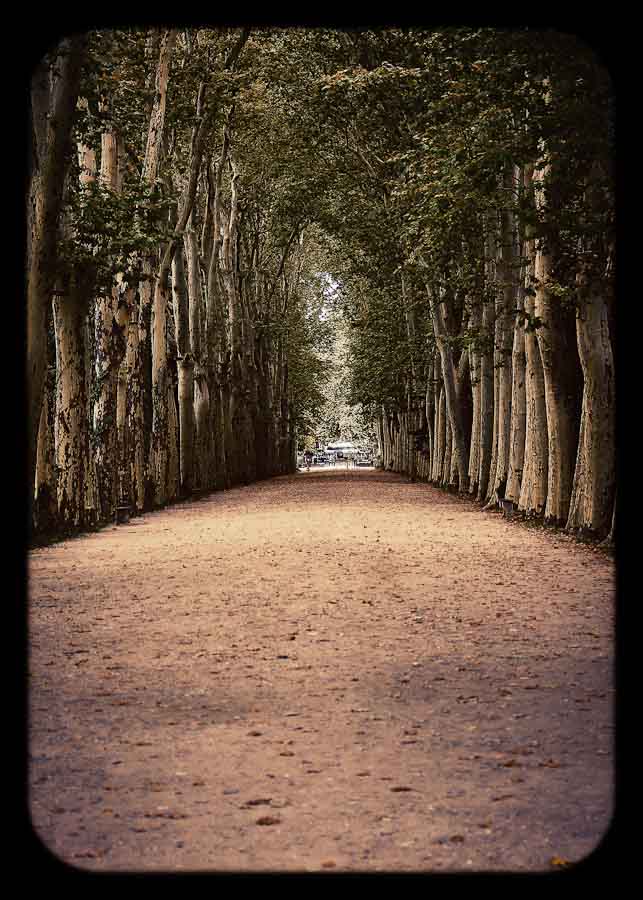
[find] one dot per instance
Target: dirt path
(335, 670)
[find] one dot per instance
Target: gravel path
(338, 670)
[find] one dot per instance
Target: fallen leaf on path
(268, 820)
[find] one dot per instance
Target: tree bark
(185, 369)
(533, 487)
(592, 500)
(486, 401)
(517, 433)
(506, 298)
(474, 370)
(203, 444)
(449, 380)
(71, 431)
(161, 385)
(144, 490)
(111, 318)
(560, 371)
(45, 497)
(54, 91)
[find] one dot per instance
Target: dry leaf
(268, 820)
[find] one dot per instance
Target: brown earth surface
(337, 670)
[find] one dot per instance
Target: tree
(54, 91)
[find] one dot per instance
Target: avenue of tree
(193, 193)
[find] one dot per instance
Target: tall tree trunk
(560, 371)
(505, 305)
(54, 91)
(592, 501)
(111, 318)
(486, 401)
(71, 431)
(136, 365)
(185, 368)
(161, 386)
(462, 389)
(429, 405)
(203, 443)
(46, 505)
(517, 434)
(145, 491)
(474, 369)
(454, 412)
(440, 436)
(533, 486)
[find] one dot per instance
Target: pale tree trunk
(517, 429)
(429, 405)
(403, 461)
(454, 412)
(75, 471)
(186, 321)
(379, 434)
(440, 433)
(173, 462)
(559, 360)
(474, 369)
(45, 496)
(445, 476)
(285, 421)
(215, 337)
(517, 433)
(398, 441)
(507, 271)
(185, 369)
(461, 386)
(90, 499)
(592, 501)
(123, 491)
(111, 318)
(135, 383)
(384, 436)
(54, 91)
(71, 431)
(533, 486)
(141, 337)
(161, 386)
(486, 401)
(203, 445)
(234, 432)
(489, 496)
(426, 424)
(392, 438)
(386, 443)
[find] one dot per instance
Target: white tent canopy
(341, 445)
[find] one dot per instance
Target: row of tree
(171, 274)
(454, 187)
(478, 263)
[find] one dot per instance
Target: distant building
(342, 448)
